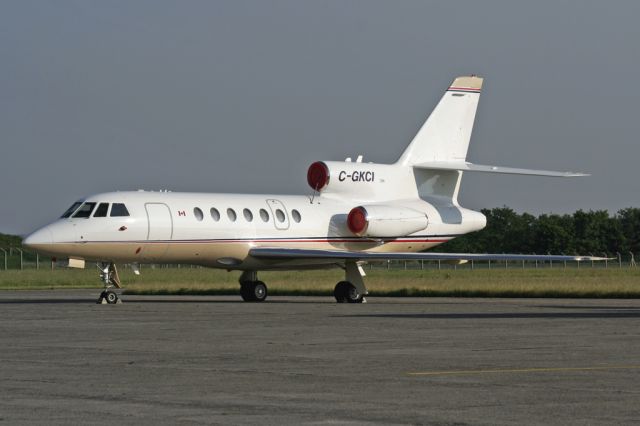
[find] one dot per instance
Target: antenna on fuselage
(313, 196)
(316, 190)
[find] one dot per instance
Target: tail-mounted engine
(318, 176)
(385, 221)
(361, 181)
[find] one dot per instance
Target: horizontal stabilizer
(470, 167)
(340, 255)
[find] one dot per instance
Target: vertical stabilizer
(446, 133)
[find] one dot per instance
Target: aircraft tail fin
(446, 133)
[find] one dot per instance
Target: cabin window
(231, 214)
(85, 211)
(247, 215)
(280, 215)
(295, 214)
(102, 209)
(215, 214)
(264, 215)
(118, 210)
(71, 209)
(198, 214)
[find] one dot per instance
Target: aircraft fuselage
(218, 230)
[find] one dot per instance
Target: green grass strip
(558, 282)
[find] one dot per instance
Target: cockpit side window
(119, 209)
(71, 209)
(102, 209)
(84, 211)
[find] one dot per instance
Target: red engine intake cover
(357, 220)
(318, 175)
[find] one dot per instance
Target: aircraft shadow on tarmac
(599, 307)
(587, 311)
(42, 301)
(603, 314)
(62, 301)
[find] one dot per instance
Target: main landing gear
(352, 289)
(111, 280)
(251, 289)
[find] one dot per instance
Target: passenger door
(160, 230)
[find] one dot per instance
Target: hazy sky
(242, 96)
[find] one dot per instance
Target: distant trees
(629, 223)
(581, 233)
(10, 240)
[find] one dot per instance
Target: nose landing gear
(111, 280)
(109, 297)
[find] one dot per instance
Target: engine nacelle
(385, 221)
(361, 181)
(318, 175)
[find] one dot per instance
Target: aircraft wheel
(353, 296)
(341, 290)
(259, 291)
(253, 291)
(246, 291)
(111, 297)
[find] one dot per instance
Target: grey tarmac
(308, 360)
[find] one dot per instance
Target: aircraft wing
(470, 167)
(312, 254)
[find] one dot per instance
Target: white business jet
(357, 212)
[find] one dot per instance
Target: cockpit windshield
(119, 209)
(102, 209)
(71, 209)
(84, 211)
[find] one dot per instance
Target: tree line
(592, 232)
(10, 240)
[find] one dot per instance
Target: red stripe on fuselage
(465, 89)
(356, 240)
(304, 241)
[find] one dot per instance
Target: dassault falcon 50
(357, 212)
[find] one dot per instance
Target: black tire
(259, 291)
(253, 291)
(352, 294)
(101, 297)
(246, 291)
(340, 291)
(111, 297)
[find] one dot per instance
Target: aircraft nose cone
(40, 239)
